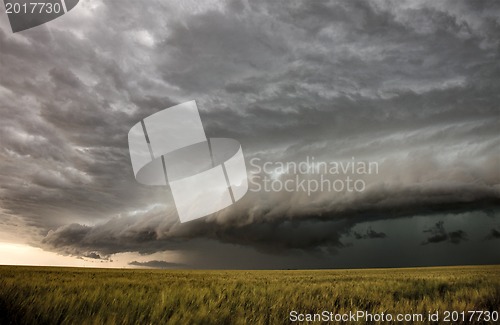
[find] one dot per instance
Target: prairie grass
(49, 295)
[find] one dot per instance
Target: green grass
(43, 295)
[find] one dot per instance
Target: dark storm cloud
(413, 86)
(64, 137)
(152, 232)
(439, 234)
(157, 264)
(94, 255)
(267, 231)
(494, 234)
(370, 234)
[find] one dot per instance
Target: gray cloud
(370, 234)
(94, 255)
(156, 264)
(494, 234)
(439, 234)
(413, 86)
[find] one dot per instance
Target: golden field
(50, 295)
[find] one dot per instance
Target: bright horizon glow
(23, 254)
(27, 255)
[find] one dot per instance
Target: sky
(411, 86)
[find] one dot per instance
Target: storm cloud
(156, 264)
(370, 233)
(494, 234)
(413, 86)
(439, 234)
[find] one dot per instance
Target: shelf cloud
(412, 86)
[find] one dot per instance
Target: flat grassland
(48, 295)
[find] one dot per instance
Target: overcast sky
(411, 85)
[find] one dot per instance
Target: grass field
(43, 295)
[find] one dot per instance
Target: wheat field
(49, 295)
